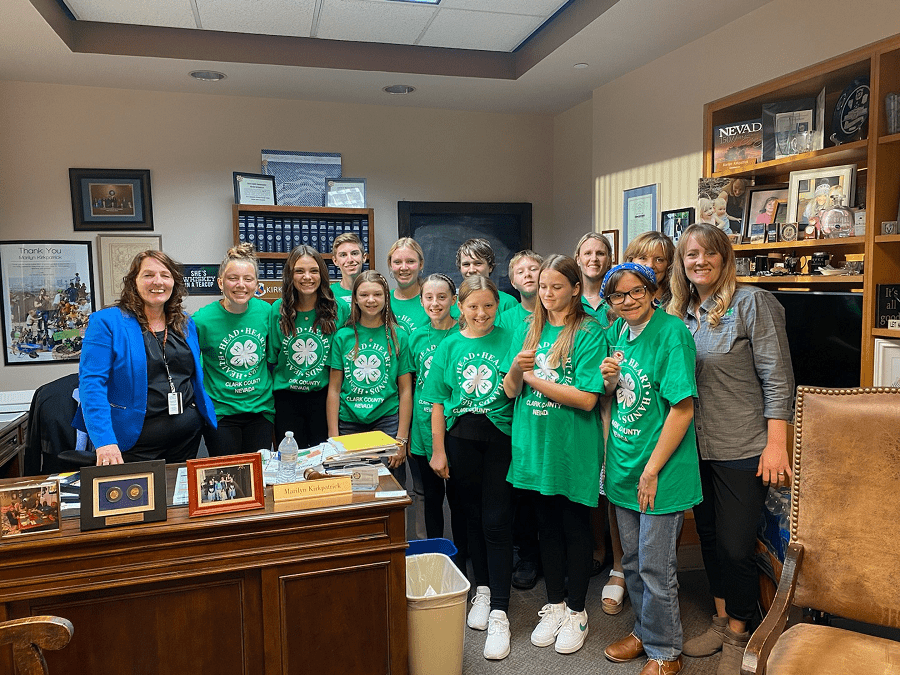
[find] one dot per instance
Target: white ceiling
(625, 35)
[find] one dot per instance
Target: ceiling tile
(168, 13)
(544, 8)
(266, 17)
(365, 21)
(464, 29)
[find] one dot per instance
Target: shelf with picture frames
(878, 155)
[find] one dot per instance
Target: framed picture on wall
(638, 212)
(440, 228)
(111, 199)
(673, 223)
(612, 236)
(116, 254)
(47, 296)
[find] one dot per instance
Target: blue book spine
(260, 233)
(251, 231)
(330, 230)
(314, 234)
(279, 235)
(270, 235)
(295, 228)
(364, 232)
(242, 228)
(304, 231)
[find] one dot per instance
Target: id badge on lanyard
(173, 398)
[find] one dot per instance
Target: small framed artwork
(813, 190)
(29, 508)
(225, 484)
(638, 212)
(612, 236)
(111, 199)
(349, 193)
(735, 239)
(787, 231)
(254, 188)
(887, 363)
(116, 254)
(761, 206)
(123, 494)
(674, 222)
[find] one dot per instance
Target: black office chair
(51, 444)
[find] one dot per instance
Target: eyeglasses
(637, 293)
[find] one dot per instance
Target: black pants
(525, 528)
(435, 488)
(239, 434)
(478, 473)
(727, 520)
(174, 438)
(566, 548)
(302, 412)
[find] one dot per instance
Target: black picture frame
(673, 222)
(111, 199)
(123, 494)
(241, 197)
(440, 228)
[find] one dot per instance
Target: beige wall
(192, 143)
(572, 154)
(648, 124)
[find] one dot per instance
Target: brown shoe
(709, 642)
(733, 646)
(660, 667)
(626, 649)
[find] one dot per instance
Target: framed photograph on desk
(225, 484)
(29, 508)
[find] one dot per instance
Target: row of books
(276, 234)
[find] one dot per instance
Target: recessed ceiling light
(399, 89)
(580, 65)
(207, 75)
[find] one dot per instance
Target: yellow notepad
(368, 441)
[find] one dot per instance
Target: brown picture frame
(241, 486)
(612, 236)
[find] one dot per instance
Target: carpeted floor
(525, 658)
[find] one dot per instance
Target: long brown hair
(130, 300)
(575, 317)
(387, 314)
(684, 293)
(326, 305)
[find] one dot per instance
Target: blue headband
(637, 268)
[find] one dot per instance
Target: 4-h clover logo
(368, 368)
(543, 370)
(427, 365)
(305, 353)
(477, 381)
(625, 392)
(243, 354)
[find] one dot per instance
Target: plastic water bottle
(287, 454)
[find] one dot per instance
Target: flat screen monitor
(824, 330)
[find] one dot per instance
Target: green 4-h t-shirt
(341, 293)
(556, 449)
(301, 359)
(369, 390)
(233, 346)
(422, 345)
(657, 372)
(466, 377)
(412, 315)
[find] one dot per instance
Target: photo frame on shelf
(48, 296)
(116, 253)
(348, 193)
(887, 363)
(639, 213)
(762, 206)
(30, 507)
(811, 190)
(225, 484)
(672, 223)
(253, 188)
(735, 239)
(111, 199)
(612, 236)
(123, 494)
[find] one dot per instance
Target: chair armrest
(764, 638)
(32, 634)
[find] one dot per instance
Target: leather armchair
(844, 553)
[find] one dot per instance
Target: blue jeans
(651, 565)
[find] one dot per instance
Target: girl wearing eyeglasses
(652, 473)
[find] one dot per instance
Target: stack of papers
(368, 444)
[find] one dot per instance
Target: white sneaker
(496, 646)
(544, 634)
(481, 608)
(572, 632)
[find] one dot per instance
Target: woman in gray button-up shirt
(745, 388)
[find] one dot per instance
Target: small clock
(788, 232)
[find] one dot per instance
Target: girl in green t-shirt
(554, 374)
(470, 426)
(370, 386)
(303, 325)
(234, 337)
(438, 296)
(652, 468)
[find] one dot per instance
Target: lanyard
(162, 347)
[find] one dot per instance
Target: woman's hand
(109, 454)
(525, 360)
(438, 464)
(396, 460)
(610, 369)
(774, 468)
(647, 490)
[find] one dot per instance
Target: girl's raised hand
(525, 360)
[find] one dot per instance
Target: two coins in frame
(115, 493)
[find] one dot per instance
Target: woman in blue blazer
(140, 378)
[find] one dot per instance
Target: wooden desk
(12, 446)
(321, 590)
